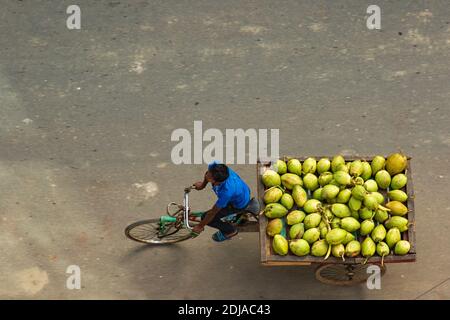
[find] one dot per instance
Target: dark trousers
(225, 227)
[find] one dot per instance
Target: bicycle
(178, 222)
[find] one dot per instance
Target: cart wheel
(344, 274)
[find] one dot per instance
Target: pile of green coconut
(346, 209)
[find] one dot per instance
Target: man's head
(217, 173)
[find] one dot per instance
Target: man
(233, 195)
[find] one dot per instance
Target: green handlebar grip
(167, 219)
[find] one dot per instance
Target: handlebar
(186, 208)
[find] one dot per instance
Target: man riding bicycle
(233, 195)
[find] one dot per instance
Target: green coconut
(377, 164)
(323, 165)
(270, 178)
(294, 166)
(299, 247)
(396, 163)
(295, 217)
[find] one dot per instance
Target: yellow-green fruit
(379, 233)
(274, 227)
(323, 232)
(335, 223)
(349, 237)
(330, 192)
(275, 210)
(383, 179)
(280, 167)
(312, 205)
(289, 180)
(368, 247)
(328, 214)
(402, 247)
(344, 196)
(309, 166)
(396, 221)
(272, 195)
(299, 247)
(403, 228)
(355, 214)
(310, 181)
(295, 217)
(311, 235)
(312, 220)
(343, 178)
(350, 224)
(371, 202)
(382, 249)
(280, 245)
(334, 183)
(294, 166)
(336, 162)
(270, 178)
(322, 224)
(340, 210)
(287, 201)
(354, 203)
(377, 164)
(358, 192)
(396, 163)
(297, 231)
(356, 168)
(397, 208)
(344, 168)
(398, 181)
(367, 171)
(353, 248)
(323, 165)
(325, 178)
(299, 195)
(338, 250)
(358, 181)
(365, 213)
(317, 194)
(336, 236)
(379, 196)
(366, 227)
(381, 216)
(371, 185)
(398, 195)
(392, 237)
(319, 248)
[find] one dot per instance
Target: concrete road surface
(86, 118)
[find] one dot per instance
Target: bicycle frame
(173, 217)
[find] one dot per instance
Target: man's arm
(200, 185)
(210, 214)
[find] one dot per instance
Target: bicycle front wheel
(148, 231)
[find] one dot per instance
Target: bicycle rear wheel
(344, 274)
(148, 231)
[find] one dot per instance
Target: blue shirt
(232, 191)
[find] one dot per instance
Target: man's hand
(198, 228)
(198, 185)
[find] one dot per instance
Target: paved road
(86, 118)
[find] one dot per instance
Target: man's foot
(219, 236)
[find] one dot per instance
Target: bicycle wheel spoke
(148, 231)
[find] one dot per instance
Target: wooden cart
(335, 270)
